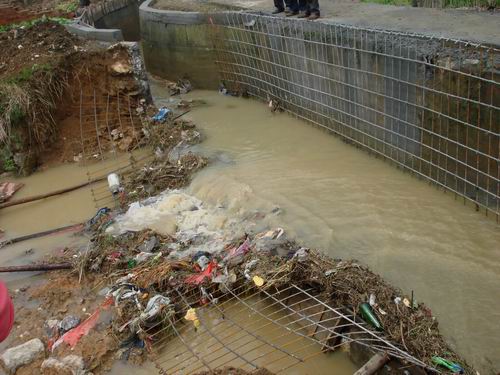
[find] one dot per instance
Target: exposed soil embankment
(57, 92)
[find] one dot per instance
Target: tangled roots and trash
(150, 288)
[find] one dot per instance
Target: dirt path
(479, 26)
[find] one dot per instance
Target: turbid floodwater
(349, 204)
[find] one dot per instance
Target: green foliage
(7, 163)
(470, 3)
(31, 23)
(67, 6)
(389, 2)
(17, 115)
(26, 73)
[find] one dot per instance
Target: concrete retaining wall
(116, 14)
(110, 21)
(176, 45)
(431, 106)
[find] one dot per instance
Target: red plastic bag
(199, 278)
(74, 335)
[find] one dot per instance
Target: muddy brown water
(351, 205)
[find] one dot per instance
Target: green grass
(388, 2)
(67, 6)
(31, 23)
(26, 73)
(445, 3)
(470, 3)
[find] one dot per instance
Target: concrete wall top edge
(91, 33)
(190, 18)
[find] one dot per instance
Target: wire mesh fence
(430, 105)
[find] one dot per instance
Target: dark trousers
(312, 6)
(309, 6)
(293, 5)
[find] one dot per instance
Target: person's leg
(314, 9)
(304, 9)
(279, 6)
(292, 7)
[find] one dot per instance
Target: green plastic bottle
(369, 316)
(453, 367)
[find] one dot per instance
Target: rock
(121, 67)
(21, 355)
(68, 323)
(51, 327)
(69, 365)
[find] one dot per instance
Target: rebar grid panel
(430, 105)
(105, 119)
(248, 327)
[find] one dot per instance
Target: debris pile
(143, 274)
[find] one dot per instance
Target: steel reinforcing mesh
(430, 105)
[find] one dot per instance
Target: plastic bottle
(369, 316)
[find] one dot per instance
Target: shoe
(304, 15)
(313, 16)
(291, 14)
(276, 11)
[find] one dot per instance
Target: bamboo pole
(41, 234)
(374, 364)
(47, 195)
(37, 267)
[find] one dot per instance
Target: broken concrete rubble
(21, 355)
(69, 365)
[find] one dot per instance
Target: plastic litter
(259, 281)
(142, 256)
(372, 300)
(162, 114)
(330, 272)
(241, 250)
(199, 278)
(154, 306)
(113, 183)
(192, 317)
(74, 335)
(68, 323)
(397, 300)
(248, 268)
(452, 366)
(203, 262)
(202, 258)
(125, 291)
(369, 316)
(100, 212)
(406, 302)
(149, 245)
(302, 254)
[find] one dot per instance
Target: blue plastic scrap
(162, 114)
